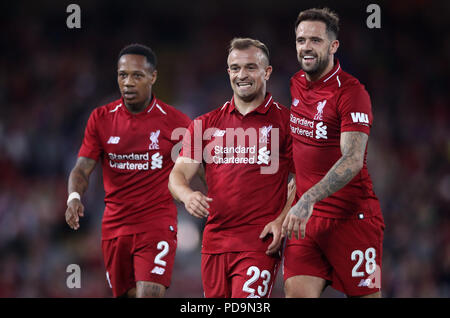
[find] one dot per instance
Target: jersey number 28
(369, 256)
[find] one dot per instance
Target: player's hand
(273, 228)
(197, 204)
(297, 218)
(75, 210)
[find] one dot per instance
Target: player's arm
(78, 184)
(274, 227)
(353, 146)
(196, 203)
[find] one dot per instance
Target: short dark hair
(140, 49)
(330, 18)
(245, 43)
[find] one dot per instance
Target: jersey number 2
(164, 246)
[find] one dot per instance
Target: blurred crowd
(52, 77)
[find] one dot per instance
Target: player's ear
(269, 70)
(334, 46)
(154, 75)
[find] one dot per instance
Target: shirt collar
(324, 79)
(147, 109)
(262, 108)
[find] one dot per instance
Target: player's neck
(316, 77)
(245, 107)
(138, 108)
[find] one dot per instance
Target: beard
(315, 68)
(247, 95)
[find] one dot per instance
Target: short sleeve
(179, 124)
(193, 141)
(289, 153)
(91, 146)
(288, 140)
(355, 109)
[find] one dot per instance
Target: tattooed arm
(78, 182)
(353, 146)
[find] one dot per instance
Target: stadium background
(52, 77)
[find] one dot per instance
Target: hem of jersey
(111, 236)
(232, 251)
(344, 217)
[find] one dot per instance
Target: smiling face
(248, 70)
(315, 48)
(135, 77)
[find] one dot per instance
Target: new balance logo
(157, 160)
(321, 131)
(360, 118)
(113, 140)
(263, 156)
(158, 270)
(365, 282)
(219, 133)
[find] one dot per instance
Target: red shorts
(137, 257)
(345, 252)
(239, 274)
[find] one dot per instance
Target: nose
(242, 74)
(128, 81)
(306, 45)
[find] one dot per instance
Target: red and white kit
(140, 219)
(247, 161)
(344, 236)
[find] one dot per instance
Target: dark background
(52, 77)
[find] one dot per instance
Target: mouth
(244, 84)
(309, 58)
(129, 95)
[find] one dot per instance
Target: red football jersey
(135, 153)
(247, 161)
(320, 112)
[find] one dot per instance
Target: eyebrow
(133, 71)
(314, 37)
(247, 64)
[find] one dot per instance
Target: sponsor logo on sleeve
(362, 118)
